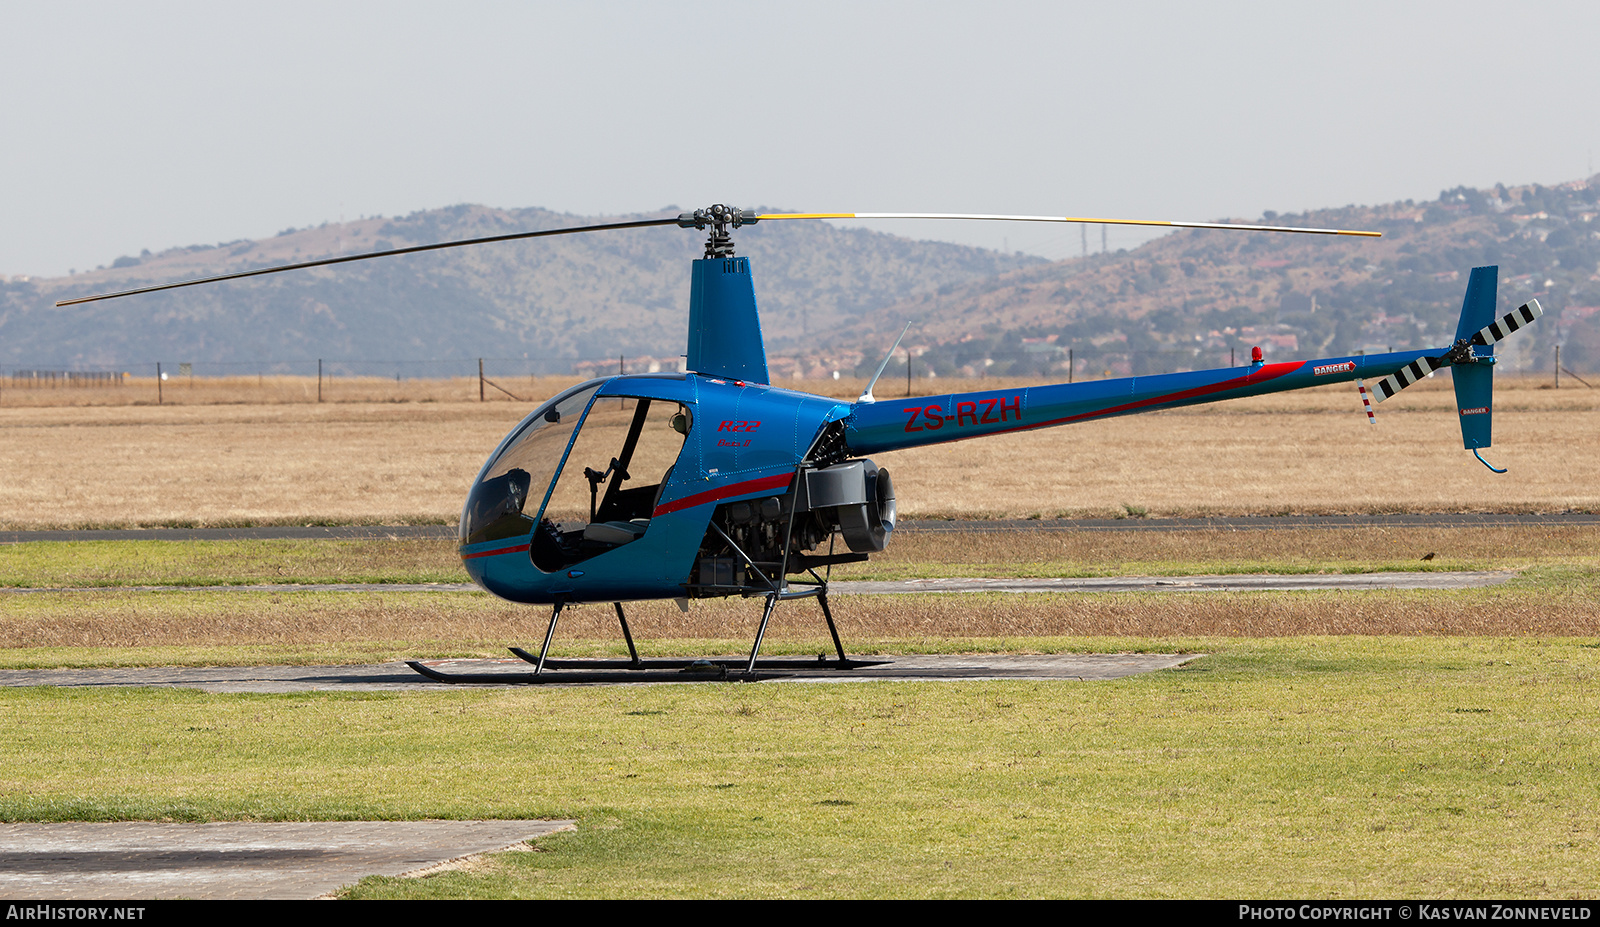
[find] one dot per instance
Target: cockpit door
(610, 479)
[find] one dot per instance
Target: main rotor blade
(680, 221)
(517, 236)
(1078, 219)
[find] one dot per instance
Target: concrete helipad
(141, 860)
(398, 676)
(1233, 582)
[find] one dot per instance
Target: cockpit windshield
(582, 494)
(496, 507)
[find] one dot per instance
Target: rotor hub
(1459, 353)
(719, 219)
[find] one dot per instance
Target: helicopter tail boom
(896, 424)
(891, 425)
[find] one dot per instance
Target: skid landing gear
(663, 669)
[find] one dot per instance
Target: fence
(55, 379)
(319, 380)
(528, 379)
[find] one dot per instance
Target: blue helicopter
(714, 482)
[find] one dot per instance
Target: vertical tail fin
(1470, 358)
(1474, 377)
(1474, 372)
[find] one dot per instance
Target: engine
(758, 538)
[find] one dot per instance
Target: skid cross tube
(788, 532)
(549, 633)
(822, 599)
(626, 634)
(820, 593)
(766, 616)
(539, 660)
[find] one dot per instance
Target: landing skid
(692, 665)
(572, 672)
(661, 669)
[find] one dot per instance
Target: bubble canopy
(583, 474)
(526, 461)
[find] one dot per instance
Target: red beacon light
(1255, 355)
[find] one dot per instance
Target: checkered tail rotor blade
(1405, 376)
(1510, 322)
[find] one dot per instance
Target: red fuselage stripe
(517, 549)
(1267, 372)
(780, 481)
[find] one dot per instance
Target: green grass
(57, 564)
(1273, 766)
(1301, 767)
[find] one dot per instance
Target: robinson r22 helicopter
(717, 483)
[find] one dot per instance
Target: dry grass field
(408, 456)
(115, 627)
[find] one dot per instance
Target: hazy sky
(149, 125)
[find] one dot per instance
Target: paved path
(1240, 582)
(84, 862)
(142, 860)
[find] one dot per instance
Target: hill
(833, 299)
(552, 302)
(1187, 299)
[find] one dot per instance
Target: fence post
(1558, 366)
(1069, 350)
(480, 379)
(319, 379)
(158, 383)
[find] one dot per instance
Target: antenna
(866, 394)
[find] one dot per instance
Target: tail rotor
(1472, 369)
